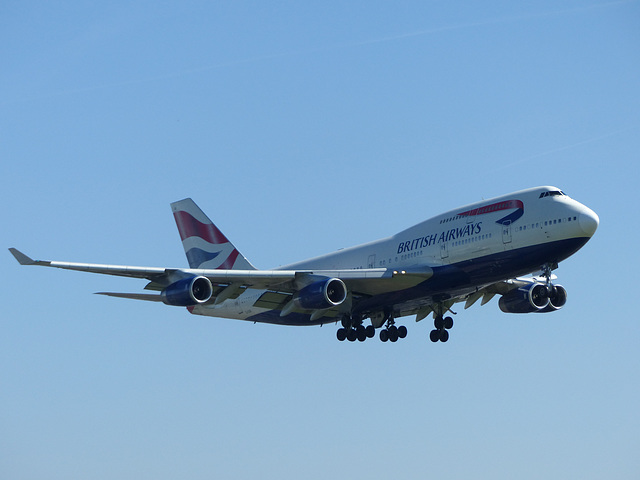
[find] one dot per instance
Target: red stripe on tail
(190, 227)
(230, 261)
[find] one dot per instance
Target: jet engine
(557, 299)
(537, 297)
(188, 292)
(321, 294)
(531, 298)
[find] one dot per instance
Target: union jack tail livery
(204, 244)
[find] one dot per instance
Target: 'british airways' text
(446, 236)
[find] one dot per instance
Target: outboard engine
(188, 292)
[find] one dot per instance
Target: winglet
(21, 257)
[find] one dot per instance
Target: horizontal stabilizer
(21, 257)
(149, 297)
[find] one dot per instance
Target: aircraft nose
(589, 221)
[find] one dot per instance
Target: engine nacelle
(528, 299)
(557, 299)
(322, 294)
(188, 292)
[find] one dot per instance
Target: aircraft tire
(448, 323)
(341, 334)
(402, 331)
(434, 335)
(384, 335)
(361, 333)
(438, 322)
(393, 334)
(444, 336)
(352, 335)
(371, 331)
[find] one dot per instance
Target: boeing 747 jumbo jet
(505, 246)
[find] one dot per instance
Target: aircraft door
(371, 262)
(506, 232)
(472, 216)
(444, 250)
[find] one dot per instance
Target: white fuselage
(487, 241)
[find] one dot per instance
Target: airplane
(506, 246)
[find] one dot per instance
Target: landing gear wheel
(341, 334)
(442, 324)
(371, 331)
(393, 334)
(402, 331)
(384, 335)
(351, 335)
(361, 333)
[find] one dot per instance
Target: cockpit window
(552, 193)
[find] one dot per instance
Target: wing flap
(272, 300)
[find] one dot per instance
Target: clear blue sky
(301, 128)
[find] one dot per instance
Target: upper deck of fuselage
(472, 211)
(542, 220)
(483, 218)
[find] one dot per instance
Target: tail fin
(205, 245)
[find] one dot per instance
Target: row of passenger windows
(446, 220)
(480, 238)
(406, 256)
(466, 241)
(549, 222)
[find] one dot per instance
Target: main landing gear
(391, 332)
(353, 329)
(360, 333)
(441, 334)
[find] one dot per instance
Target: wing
(484, 292)
(231, 283)
(163, 277)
